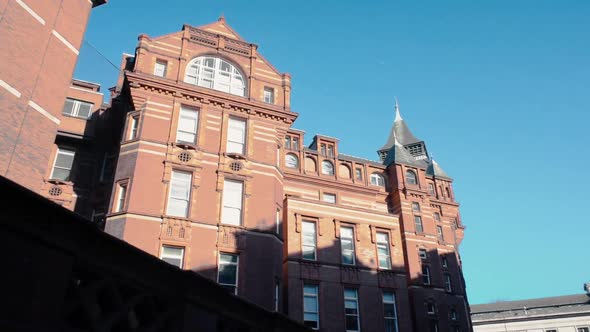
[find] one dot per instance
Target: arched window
(411, 177)
(327, 168)
(291, 161)
(215, 73)
(377, 180)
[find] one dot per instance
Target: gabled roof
(397, 154)
(399, 131)
(221, 27)
(435, 170)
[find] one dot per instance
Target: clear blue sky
(498, 90)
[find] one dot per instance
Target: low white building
(569, 313)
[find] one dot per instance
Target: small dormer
(326, 146)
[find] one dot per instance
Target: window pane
(291, 161)
(227, 274)
(65, 159)
(68, 107)
(351, 323)
(84, 110)
(310, 304)
(327, 168)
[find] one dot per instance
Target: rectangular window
(415, 206)
(296, 143)
(433, 326)
(278, 221)
(172, 255)
(227, 274)
(62, 167)
(160, 68)
(288, 142)
(188, 122)
(311, 309)
(445, 262)
(236, 136)
(383, 251)
(359, 174)
(329, 198)
(77, 108)
(422, 254)
(269, 95)
(418, 223)
(425, 274)
(121, 196)
(308, 246)
(179, 194)
(232, 202)
(133, 127)
(439, 233)
(431, 189)
(347, 245)
(437, 217)
(453, 314)
(351, 309)
(430, 308)
(330, 151)
(390, 312)
(583, 329)
(448, 283)
(323, 149)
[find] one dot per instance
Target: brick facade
(284, 189)
(40, 45)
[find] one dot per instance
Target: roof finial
(221, 18)
(398, 116)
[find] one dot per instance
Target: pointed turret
(401, 133)
(435, 170)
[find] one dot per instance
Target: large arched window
(327, 168)
(377, 180)
(291, 160)
(217, 74)
(411, 177)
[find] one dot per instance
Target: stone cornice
(208, 96)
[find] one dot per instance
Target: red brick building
(40, 45)
(212, 177)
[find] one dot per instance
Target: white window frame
(327, 167)
(122, 188)
(160, 68)
(383, 245)
(348, 300)
(188, 117)
(448, 282)
(133, 127)
(394, 317)
(329, 198)
(269, 95)
(75, 110)
(236, 141)
(440, 233)
(418, 218)
(377, 180)
(444, 262)
(426, 275)
(422, 254)
(347, 234)
(312, 295)
(291, 161)
(236, 264)
(163, 256)
(430, 305)
(311, 225)
(67, 152)
(233, 201)
(177, 180)
(213, 76)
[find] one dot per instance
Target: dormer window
(217, 74)
(269, 95)
(292, 142)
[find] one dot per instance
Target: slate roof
(400, 131)
(515, 310)
(435, 170)
(398, 154)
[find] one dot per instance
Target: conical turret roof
(399, 131)
(435, 170)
